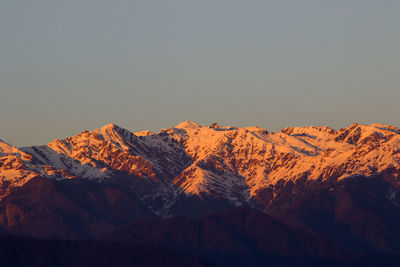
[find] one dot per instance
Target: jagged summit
(109, 126)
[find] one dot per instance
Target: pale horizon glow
(67, 66)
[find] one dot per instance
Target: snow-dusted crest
(229, 163)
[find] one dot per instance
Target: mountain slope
(260, 159)
(238, 237)
(227, 163)
(296, 175)
(65, 209)
(17, 251)
(360, 212)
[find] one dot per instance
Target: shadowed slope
(31, 252)
(68, 209)
(238, 236)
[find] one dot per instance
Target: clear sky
(67, 66)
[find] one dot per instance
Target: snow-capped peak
(6, 148)
(109, 126)
(188, 125)
(116, 134)
(112, 127)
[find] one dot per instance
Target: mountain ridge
(104, 178)
(199, 159)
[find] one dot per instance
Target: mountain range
(342, 185)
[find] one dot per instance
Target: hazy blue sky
(66, 66)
